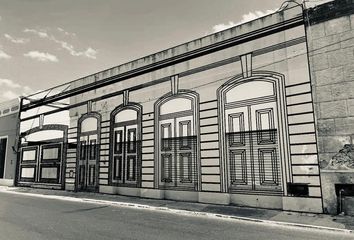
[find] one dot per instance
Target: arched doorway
(253, 134)
(177, 141)
(125, 153)
(88, 152)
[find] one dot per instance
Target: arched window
(253, 133)
(177, 141)
(125, 146)
(88, 152)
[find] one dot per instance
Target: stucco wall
(8, 128)
(283, 52)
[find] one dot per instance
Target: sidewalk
(275, 217)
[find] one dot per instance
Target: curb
(178, 211)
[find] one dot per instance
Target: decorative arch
(125, 145)
(88, 152)
(177, 142)
(251, 103)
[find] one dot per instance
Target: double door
(126, 154)
(88, 162)
(252, 147)
(177, 153)
(42, 163)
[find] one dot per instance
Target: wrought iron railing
(178, 162)
(254, 163)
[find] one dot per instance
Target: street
(23, 217)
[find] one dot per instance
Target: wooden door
(88, 156)
(125, 154)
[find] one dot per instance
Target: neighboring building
(331, 52)
(8, 130)
(230, 118)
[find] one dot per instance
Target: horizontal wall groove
(300, 113)
(210, 101)
(297, 84)
(296, 104)
(303, 123)
(208, 109)
(303, 143)
(298, 94)
(303, 133)
(209, 125)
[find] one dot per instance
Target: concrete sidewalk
(275, 217)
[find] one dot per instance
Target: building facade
(229, 118)
(8, 130)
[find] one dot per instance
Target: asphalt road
(30, 218)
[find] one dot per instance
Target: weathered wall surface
(331, 53)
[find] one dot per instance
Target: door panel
(239, 151)
(29, 161)
(265, 147)
(118, 152)
(91, 161)
(82, 162)
(131, 154)
(167, 172)
(50, 163)
(185, 147)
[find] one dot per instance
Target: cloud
(11, 89)
(89, 52)
(245, 18)
(40, 34)
(4, 55)
(65, 32)
(16, 40)
(222, 26)
(41, 56)
(8, 83)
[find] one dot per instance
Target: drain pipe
(341, 202)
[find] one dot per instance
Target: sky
(44, 43)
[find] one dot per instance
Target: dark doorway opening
(3, 145)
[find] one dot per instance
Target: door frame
(284, 149)
(5, 159)
(194, 96)
(139, 109)
(81, 119)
